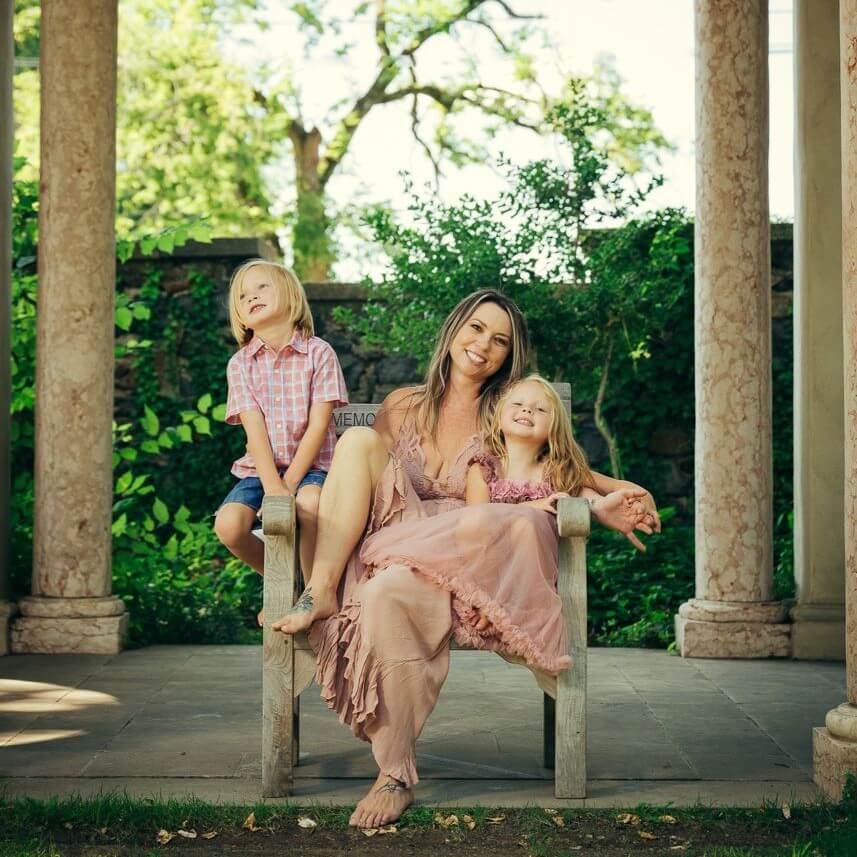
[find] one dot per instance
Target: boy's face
(259, 298)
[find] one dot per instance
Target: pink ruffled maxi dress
(426, 562)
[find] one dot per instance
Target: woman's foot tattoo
(386, 801)
(311, 606)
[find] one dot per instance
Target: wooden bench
(288, 663)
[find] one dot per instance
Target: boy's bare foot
(384, 804)
(312, 605)
(260, 618)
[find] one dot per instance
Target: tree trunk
(311, 241)
(600, 422)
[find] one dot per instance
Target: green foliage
(611, 311)
(167, 563)
(192, 139)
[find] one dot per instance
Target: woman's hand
(547, 504)
(625, 511)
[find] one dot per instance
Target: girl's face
(259, 299)
(483, 342)
(527, 413)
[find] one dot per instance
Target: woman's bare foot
(384, 804)
(312, 605)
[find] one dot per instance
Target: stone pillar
(835, 745)
(732, 614)
(7, 55)
(71, 609)
(818, 629)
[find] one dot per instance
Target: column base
(818, 632)
(834, 750)
(724, 629)
(7, 611)
(93, 626)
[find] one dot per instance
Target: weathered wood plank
(278, 712)
(570, 773)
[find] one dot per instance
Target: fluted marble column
(71, 609)
(818, 629)
(7, 54)
(835, 745)
(732, 614)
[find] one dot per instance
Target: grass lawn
(120, 825)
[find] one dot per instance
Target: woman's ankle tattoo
(304, 603)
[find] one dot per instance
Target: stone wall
(371, 374)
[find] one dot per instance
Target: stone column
(732, 614)
(71, 609)
(7, 55)
(835, 745)
(818, 629)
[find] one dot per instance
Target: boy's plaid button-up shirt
(283, 385)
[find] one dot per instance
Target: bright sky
(652, 46)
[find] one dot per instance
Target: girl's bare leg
(358, 462)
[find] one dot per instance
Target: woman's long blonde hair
(564, 462)
(291, 294)
(427, 401)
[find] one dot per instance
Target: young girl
(284, 383)
(499, 561)
(533, 458)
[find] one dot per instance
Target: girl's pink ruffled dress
(426, 562)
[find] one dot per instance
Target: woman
(384, 654)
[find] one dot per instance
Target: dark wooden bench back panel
(363, 414)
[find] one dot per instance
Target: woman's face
(483, 342)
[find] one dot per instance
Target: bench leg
(296, 732)
(549, 732)
(278, 650)
(570, 772)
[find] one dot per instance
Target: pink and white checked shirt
(283, 385)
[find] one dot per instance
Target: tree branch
(381, 27)
(441, 26)
(600, 422)
(512, 14)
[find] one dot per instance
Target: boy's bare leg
(233, 525)
(307, 511)
(358, 462)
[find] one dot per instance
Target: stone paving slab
(187, 719)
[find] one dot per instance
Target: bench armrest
(572, 517)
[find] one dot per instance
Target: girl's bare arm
(605, 485)
(476, 490)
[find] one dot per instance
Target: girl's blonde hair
(290, 291)
(564, 462)
(429, 398)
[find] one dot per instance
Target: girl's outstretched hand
(625, 511)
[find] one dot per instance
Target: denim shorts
(249, 491)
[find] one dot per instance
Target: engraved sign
(354, 415)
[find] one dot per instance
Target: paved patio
(178, 720)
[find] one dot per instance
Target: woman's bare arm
(605, 485)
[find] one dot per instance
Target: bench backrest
(363, 414)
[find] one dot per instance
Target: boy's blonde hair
(290, 291)
(565, 465)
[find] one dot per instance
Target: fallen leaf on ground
(446, 821)
(368, 831)
(250, 823)
(390, 828)
(210, 835)
(164, 836)
(668, 819)
(306, 823)
(469, 821)
(102, 830)
(495, 819)
(628, 818)
(68, 825)
(187, 834)
(787, 811)
(558, 820)
(678, 847)
(550, 811)
(644, 834)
